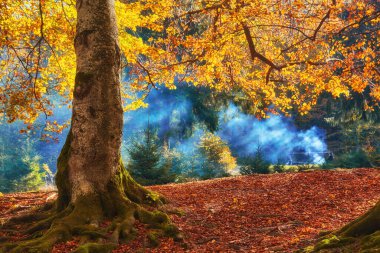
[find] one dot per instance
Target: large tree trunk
(89, 168)
(93, 185)
(93, 154)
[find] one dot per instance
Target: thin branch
(320, 25)
(362, 20)
(315, 33)
(268, 75)
(213, 7)
(377, 70)
(64, 14)
(39, 59)
(190, 61)
(22, 62)
(284, 26)
(147, 72)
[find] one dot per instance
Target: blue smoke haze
(170, 112)
(277, 136)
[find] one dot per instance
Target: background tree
(219, 161)
(91, 180)
(255, 163)
(352, 128)
(20, 168)
(147, 164)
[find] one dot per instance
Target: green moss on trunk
(62, 176)
(361, 235)
(365, 225)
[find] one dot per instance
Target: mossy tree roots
(361, 235)
(123, 203)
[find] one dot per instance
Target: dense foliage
(219, 161)
(277, 56)
(269, 57)
(263, 56)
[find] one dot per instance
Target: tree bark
(93, 154)
(90, 171)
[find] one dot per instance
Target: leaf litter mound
(257, 213)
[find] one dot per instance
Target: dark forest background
(192, 133)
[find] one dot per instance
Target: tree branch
(252, 50)
(39, 58)
(148, 73)
(315, 33)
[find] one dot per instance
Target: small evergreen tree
(147, 164)
(33, 178)
(255, 164)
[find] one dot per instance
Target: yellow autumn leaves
(198, 42)
(216, 150)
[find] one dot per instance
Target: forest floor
(257, 213)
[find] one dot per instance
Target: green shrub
(34, 180)
(213, 170)
(20, 168)
(278, 167)
(306, 167)
(354, 159)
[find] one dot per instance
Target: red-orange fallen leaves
(259, 213)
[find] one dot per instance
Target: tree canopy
(279, 55)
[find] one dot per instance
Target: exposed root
(361, 235)
(365, 225)
(35, 214)
(4, 239)
(46, 223)
(25, 218)
(42, 244)
(95, 248)
(93, 238)
(82, 223)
